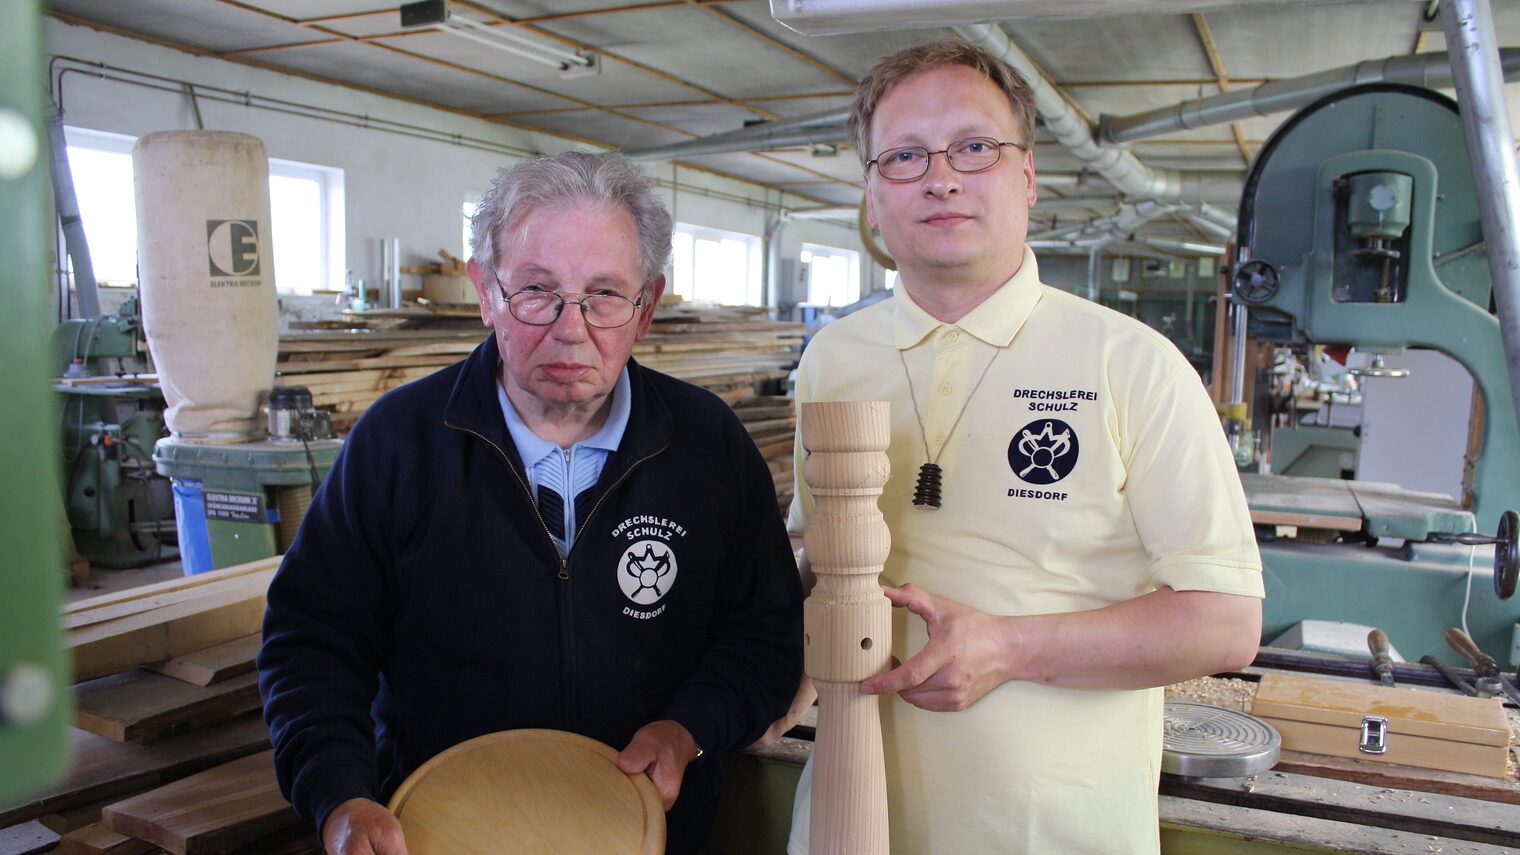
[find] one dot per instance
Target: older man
(1068, 531)
(545, 535)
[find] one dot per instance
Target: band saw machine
(1359, 225)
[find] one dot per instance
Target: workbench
(1307, 803)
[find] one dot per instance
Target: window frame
(753, 289)
(852, 278)
(332, 251)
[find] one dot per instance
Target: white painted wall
(396, 186)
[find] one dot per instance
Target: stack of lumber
(772, 424)
(733, 352)
(118, 632)
(168, 729)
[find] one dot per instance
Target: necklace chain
(930, 477)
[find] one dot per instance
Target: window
(306, 214)
(101, 165)
(833, 275)
(891, 280)
(716, 266)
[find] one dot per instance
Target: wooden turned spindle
(847, 621)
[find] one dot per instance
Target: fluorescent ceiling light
(435, 15)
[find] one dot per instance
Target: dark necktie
(551, 506)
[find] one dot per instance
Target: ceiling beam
(441, 63)
(240, 4)
(751, 30)
(1206, 38)
(558, 16)
(1191, 83)
(657, 105)
(647, 69)
(194, 50)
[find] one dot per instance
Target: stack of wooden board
(118, 632)
(232, 808)
(732, 352)
(168, 690)
(729, 351)
(772, 424)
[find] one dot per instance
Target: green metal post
(34, 704)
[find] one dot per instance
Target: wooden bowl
(529, 791)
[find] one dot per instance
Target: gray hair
(574, 176)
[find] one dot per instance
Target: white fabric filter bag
(206, 268)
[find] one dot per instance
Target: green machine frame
(120, 509)
(1359, 225)
(34, 670)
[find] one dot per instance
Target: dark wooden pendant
(926, 494)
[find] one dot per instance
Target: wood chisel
(1382, 662)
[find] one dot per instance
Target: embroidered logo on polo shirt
(1043, 452)
(647, 569)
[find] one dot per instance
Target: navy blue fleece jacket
(423, 602)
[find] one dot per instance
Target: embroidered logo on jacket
(647, 569)
(1043, 451)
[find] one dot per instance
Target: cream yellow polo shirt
(1088, 468)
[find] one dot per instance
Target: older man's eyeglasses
(909, 163)
(539, 308)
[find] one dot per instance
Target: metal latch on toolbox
(1374, 735)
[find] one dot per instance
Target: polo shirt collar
(996, 321)
(533, 449)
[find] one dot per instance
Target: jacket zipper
(586, 523)
(566, 618)
(564, 563)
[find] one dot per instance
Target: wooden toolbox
(1410, 727)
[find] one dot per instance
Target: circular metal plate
(1202, 741)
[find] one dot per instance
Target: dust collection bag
(206, 269)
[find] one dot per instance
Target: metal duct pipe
(834, 212)
(1121, 168)
(1084, 244)
(1094, 256)
(832, 17)
(1469, 28)
(1105, 230)
(1431, 70)
(86, 290)
(1061, 179)
(1207, 225)
(773, 258)
(1086, 203)
(1215, 215)
(826, 128)
(1181, 246)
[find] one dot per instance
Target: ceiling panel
(608, 129)
(711, 68)
(711, 54)
(211, 26)
(377, 68)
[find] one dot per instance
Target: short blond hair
(904, 64)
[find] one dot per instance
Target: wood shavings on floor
(1227, 692)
